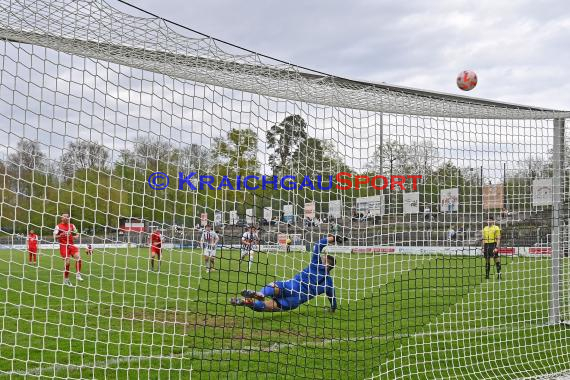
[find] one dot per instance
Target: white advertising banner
(411, 203)
(449, 200)
(310, 210)
(335, 209)
(233, 217)
(218, 220)
(288, 213)
(370, 206)
(267, 213)
(249, 216)
(542, 192)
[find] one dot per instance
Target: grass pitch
(400, 316)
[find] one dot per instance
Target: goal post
(130, 124)
(558, 175)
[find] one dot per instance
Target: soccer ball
(467, 80)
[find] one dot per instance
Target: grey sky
(519, 49)
(516, 48)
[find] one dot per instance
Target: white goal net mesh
(143, 132)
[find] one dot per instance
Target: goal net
(143, 132)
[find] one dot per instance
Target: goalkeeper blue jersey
(310, 282)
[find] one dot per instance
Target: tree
(423, 158)
(150, 153)
(314, 157)
(519, 182)
(285, 139)
(238, 152)
(26, 168)
(83, 155)
(28, 156)
(532, 167)
(193, 158)
(391, 158)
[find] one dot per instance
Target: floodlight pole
(556, 235)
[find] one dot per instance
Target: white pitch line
(249, 349)
(564, 375)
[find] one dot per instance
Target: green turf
(400, 316)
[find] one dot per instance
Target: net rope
(94, 100)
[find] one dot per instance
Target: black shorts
(488, 249)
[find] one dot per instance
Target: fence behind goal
(94, 100)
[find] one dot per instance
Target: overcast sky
(520, 49)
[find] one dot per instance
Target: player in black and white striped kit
(249, 242)
(209, 241)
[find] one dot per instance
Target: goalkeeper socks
(498, 268)
(66, 273)
(78, 266)
(487, 269)
(258, 305)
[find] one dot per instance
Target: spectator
(427, 213)
(451, 234)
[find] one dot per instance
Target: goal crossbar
(246, 72)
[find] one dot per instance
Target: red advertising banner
(507, 251)
(540, 250)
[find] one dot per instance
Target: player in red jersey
(32, 247)
(65, 232)
(155, 248)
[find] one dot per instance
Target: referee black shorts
(488, 250)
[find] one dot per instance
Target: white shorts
(209, 252)
(248, 250)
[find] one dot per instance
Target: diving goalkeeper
(306, 285)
